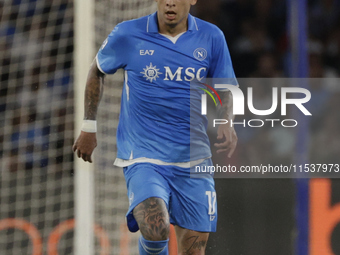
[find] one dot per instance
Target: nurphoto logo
(239, 105)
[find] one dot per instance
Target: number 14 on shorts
(212, 204)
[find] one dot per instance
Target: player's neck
(172, 30)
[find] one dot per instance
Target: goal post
(100, 189)
(46, 49)
(297, 20)
(84, 175)
(111, 201)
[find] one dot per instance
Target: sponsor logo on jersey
(146, 52)
(151, 72)
(200, 54)
(190, 74)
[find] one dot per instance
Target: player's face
(173, 14)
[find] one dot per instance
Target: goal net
(36, 134)
(37, 130)
(111, 200)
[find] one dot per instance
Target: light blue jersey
(154, 123)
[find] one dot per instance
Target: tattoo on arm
(226, 110)
(153, 219)
(93, 91)
(195, 244)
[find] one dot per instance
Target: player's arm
(87, 141)
(221, 67)
(226, 133)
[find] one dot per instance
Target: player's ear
(193, 2)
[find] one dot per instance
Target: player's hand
(85, 145)
(229, 139)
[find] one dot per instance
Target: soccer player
(157, 147)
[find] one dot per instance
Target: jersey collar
(152, 23)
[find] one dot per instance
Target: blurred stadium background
(256, 216)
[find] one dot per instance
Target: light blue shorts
(191, 202)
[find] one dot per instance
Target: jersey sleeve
(111, 55)
(221, 65)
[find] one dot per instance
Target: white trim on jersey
(173, 38)
(195, 23)
(100, 69)
(147, 25)
(126, 85)
(124, 163)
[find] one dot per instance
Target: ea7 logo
(146, 52)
